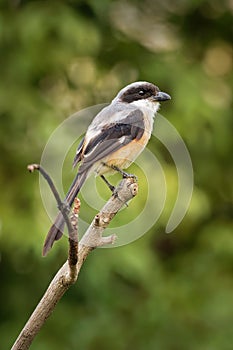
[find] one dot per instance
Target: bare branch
(62, 206)
(69, 272)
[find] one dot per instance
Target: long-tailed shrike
(114, 139)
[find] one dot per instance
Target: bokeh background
(162, 291)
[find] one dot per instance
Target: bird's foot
(124, 174)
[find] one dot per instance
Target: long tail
(55, 232)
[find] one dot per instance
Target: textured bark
(68, 273)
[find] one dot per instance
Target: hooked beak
(161, 96)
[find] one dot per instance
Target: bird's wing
(78, 155)
(112, 137)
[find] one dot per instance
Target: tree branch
(69, 272)
(62, 206)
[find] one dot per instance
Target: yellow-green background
(166, 292)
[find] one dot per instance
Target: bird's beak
(161, 96)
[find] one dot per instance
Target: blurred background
(170, 292)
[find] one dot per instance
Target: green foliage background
(162, 291)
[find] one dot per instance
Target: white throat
(147, 104)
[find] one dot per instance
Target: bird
(114, 139)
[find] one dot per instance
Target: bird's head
(142, 94)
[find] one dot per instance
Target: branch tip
(32, 167)
(97, 220)
(107, 240)
(134, 189)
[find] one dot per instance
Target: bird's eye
(141, 92)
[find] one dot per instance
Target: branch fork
(78, 251)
